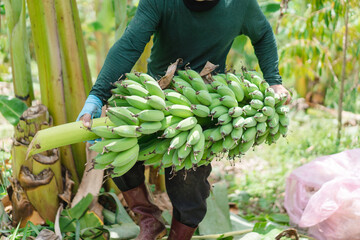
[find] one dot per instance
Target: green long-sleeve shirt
(196, 37)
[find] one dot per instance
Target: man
(196, 31)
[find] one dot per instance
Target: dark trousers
(187, 194)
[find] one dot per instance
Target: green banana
(245, 146)
(216, 112)
(284, 120)
(190, 94)
(218, 80)
(260, 117)
(117, 102)
(236, 134)
(215, 135)
(99, 145)
(256, 104)
(117, 121)
(263, 86)
(269, 92)
(149, 127)
(249, 122)
(137, 102)
(237, 89)
(180, 111)
(184, 151)
(260, 139)
(283, 130)
(226, 129)
(186, 124)
(154, 89)
(123, 114)
(135, 89)
(183, 74)
(169, 120)
(126, 156)
(215, 103)
(127, 131)
(104, 132)
(216, 148)
(148, 151)
(257, 95)
(282, 109)
(204, 97)
(268, 111)
(238, 122)
(170, 131)
(156, 102)
(105, 158)
(261, 128)
(119, 171)
(194, 135)
(199, 146)
(177, 98)
(274, 130)
(133, 77)
(155, 160)
(200, 110)
(178, 141)
(198, 84)
(269, 101)
(146, 78)
(150, 115)
(122, 144)
(249, 134)
(224, 119)
(273, 121)
(235, 112)
(228, 101)
(228, 143)
(162, 146)
(224, 90)
(249, 111)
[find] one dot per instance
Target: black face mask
(200, 6)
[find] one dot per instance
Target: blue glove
(92, 106)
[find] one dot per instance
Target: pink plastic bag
(324, 196)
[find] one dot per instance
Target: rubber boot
(180, 231)
(150, 220)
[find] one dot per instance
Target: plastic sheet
(324, 196)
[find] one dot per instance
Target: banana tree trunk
(37, 181)
(19, 50)
(47, 49)
(76, 73)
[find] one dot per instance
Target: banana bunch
(191, 123)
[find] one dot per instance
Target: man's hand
(91, 109)
(281, 90)
(86, 119)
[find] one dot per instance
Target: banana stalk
(63, 135)
(19, 50)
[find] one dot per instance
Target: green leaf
(123, 231)
(121, 214)
(217, 218)
(80, 208)
(263, 227)
(280, 218)
(11, 108)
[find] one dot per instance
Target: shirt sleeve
(258, 29)
(126, 51)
